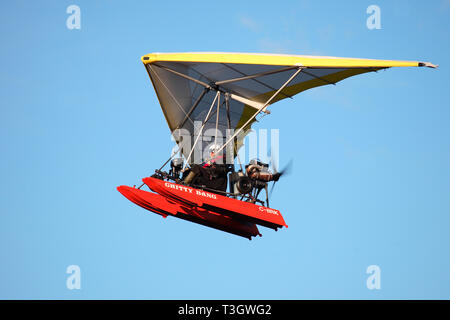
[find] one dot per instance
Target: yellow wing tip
(148, 58)
(428, 64)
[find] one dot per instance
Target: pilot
(258, 171)
(211, 173)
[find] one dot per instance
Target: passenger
(212, 173)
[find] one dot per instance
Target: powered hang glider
(202, 94)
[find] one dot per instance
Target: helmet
(216, 147)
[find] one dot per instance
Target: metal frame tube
(255, 75)
(217, 118)
(193, 108)
(227, 106)
(201, 129)
(184, 76)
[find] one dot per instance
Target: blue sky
(371, 178)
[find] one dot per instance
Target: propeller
(286, 170)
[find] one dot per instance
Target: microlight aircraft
(202, 94)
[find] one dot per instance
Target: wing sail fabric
(186, 83)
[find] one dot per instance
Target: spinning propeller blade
(286, 170)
